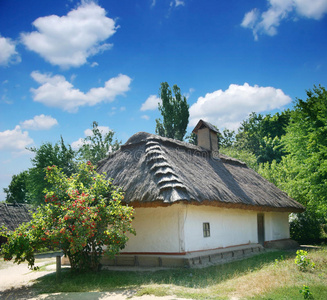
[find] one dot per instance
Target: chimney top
(202, 124)
(207, 137)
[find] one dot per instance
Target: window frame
(206, 229)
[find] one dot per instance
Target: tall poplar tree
(174, 110)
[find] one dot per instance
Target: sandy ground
(16, 282)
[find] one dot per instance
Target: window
(206, 229)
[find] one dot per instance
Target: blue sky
(67, 63)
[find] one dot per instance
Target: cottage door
(261, 229)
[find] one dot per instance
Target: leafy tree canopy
(302, 171)
(17, 189)
(306, 144)
(261, 135)
(47, 155)
(227, 138)
(174, 110)
(97, 145)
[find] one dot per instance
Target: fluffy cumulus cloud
(8, 53)
(56, 91)
(69, 40)
(14, 140)
(151, 103)
(227, 109)
(41, 122)
(268, 21)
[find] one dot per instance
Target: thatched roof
(12, 215)
(154, 171)
(201, 124)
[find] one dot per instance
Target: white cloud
(16, 139)
(177, 3)
(250, 18)
(151, 103)
(8, 53)
(40, 122)
(268, 21)
(145, 117)
(69, 40)
(314, 9)
(56, 91)
(230, 107)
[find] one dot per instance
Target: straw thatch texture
(12, 215)
(154, 171)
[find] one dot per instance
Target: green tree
(227, 138)
(306, 144)
(192, 139)
(242, 155)
(17, 189)
(47, 155)
(270, 149)
(261, 135)
(249, 133)
(97, 145)
(302, 171)
(83, 216)
(174, 110)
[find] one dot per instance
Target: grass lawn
(271, 275)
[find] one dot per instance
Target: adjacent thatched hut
(12, 215)
(191, 198)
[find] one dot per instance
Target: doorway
(261, 228)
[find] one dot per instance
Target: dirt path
(16, 282)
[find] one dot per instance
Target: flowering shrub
(82, 215)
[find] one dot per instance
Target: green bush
(305, 291)
(305, 227)
(302, 261)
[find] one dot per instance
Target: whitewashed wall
(179, 228)
(276, 226)
(157, 230)
(228, 227)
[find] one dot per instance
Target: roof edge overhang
(158, 203)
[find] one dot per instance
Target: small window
(206, 229)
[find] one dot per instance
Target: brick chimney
(207, 137)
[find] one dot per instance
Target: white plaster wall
(276, 226)
(157, 230)
(179, 228)
(228, 227)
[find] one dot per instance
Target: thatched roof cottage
(191, 199)
(12, 215)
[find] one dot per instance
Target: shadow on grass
(195, 278)
(18, 293)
